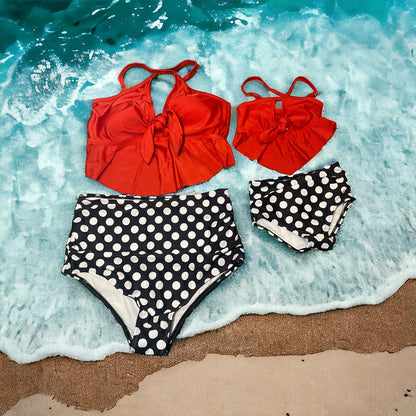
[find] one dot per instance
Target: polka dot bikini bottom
(304, 211)
(152, 259)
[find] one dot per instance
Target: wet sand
(389, 326)
(332, 383)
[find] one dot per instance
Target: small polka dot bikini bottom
(304, 211)
(152, 259)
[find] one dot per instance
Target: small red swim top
(133, 150)
(283, 133)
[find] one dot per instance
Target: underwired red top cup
(134, 151)
(283, 133)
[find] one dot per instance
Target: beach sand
(329, 383)
(387, 327)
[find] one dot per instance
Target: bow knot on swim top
(167, 125)
(159, 122)
(271, 134)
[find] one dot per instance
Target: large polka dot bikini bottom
(152, 259)
(304, 211)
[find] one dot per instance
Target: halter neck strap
(305, 80)
(255, 95)
(176, 68)
(314, 92)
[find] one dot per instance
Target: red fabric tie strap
(282, 126)
(161, 121)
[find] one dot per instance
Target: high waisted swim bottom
(152, 259)
(304, 211)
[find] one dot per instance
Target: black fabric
(164, 253)
(311, 206)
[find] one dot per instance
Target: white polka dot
(168, 276)
(126, 221)
(117, 261)
(176, 285)
(192, 285)
(109, 222)
(184, 294)
(184, 244)
(101, 229)
(89, 256)
(288, 195)
(298, 224)
(142, 237)
(152, 275)
(294, 183)
(128, 285)
(118, 229)
(293, 209)
(145, 284)
(167, 294)
(91, 237)
(314, 199)
(99, 246)
(174, 219)
(215, 271)
(161, 345)
(304, 215)
(167, 245)
(142, 343)
(319, 237)
(99, 263)
(93, 221)
(307, 208)
(127, 268)
(118, 214)
(125, 238)
(283, 204)
(289, 219)
(136, 276)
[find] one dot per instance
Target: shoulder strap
(255, 95)
(176, 68)
(314, 92)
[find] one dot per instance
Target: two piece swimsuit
(152, 258)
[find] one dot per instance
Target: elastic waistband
(169, 197)
(333, 169)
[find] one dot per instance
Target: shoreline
(389, 326)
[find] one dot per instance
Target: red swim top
(134, 151)
(284, 132)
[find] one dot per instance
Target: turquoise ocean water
(56, 56)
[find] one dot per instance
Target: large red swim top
(284, 132)
(133, 150)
